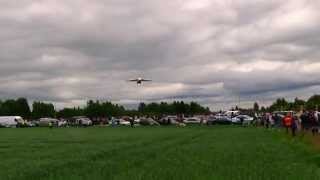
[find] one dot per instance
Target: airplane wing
(133, 80)
(146, 80)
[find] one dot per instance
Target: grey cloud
(211, 51)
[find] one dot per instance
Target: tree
(92, 109)
(9, 107)
(256, 107)
(313, 102)
(23, 108)
(40, 110)
(298, 104)
(141, 107)
(70, 112)
(1, 108)
(97, 109)
(280, 105)
(17, 107)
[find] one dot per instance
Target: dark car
(219, 119)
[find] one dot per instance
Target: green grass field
(154, 153)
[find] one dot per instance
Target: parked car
(11, 121)
(62, 123)
(169, 120)
(44, 122)
(30, 124)
(148, 121)
(242, 119)
(80, 121)
(136, 121)
(232, 113)
(219, 119)
(83, 121)
(123, 122)
(192, 120)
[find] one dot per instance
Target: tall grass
(154, 153)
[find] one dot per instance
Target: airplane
(139, 80)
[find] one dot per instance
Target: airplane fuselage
(139, 80)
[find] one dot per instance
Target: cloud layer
(210, 51)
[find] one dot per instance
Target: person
(277, 120)
(304, 122)
(314, 123)
(266, 120)
(256, 119)
(294, 125)
(287, 122)
(131, 122)
(241, 121)
(271, 120)
(316, 116)
(113, 122)
(50, 125)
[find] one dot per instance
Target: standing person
(294, 125)
(277, 120)
(255, 119)
(131, 122)
(241, 121)
(266, 120)
(50, 125)
(112, 121)
(287, 122)
(314, 123)
(271, 120)
(304, 121)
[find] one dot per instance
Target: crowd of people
(304, 121)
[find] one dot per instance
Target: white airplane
(139, 80)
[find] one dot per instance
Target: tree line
(177, 107)
(20, 107)
(96, 109)
(281, 104)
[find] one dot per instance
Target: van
(11, 121)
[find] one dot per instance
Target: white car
(44, 122)
(169, 120)
(83, 121)
(232, 113)
(123, 122)
(62, 123)
(137, 121)
(148, 122)
(242, 118)
(193, 120)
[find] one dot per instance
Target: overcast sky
(210, 51)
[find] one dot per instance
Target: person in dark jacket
(314, 123)
(131, 122)
(294, 125)
(304, 122)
